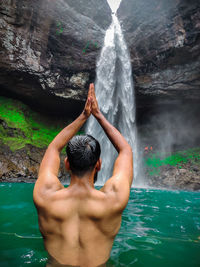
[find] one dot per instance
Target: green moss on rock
(156, 161)
(19, 125)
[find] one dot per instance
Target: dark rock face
(50, 48)
(164, 41)
(172, 177)
(23, 164)
(45, 50)
(97, 11)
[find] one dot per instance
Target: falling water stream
(115, 93)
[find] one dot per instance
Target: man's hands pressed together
(91, 106)
(88, 104)
(95, 107)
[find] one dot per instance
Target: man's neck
(85, 181)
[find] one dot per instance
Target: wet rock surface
(23, 164)
(172, 177)
(49, 49)
(164, 43)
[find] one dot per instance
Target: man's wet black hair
(83, 152)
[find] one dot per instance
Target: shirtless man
(79, 223)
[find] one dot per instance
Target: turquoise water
(159, 228)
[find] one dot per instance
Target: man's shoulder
(117, 192)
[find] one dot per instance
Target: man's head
(83, 152)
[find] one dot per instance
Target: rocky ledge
(173, 177)
(49, 50)
(24, 137)
(164, 42)
(22, 165)
(179, 170)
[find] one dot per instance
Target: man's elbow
(53, 147)
(128, 149)
(127, 152)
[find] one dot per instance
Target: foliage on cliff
(19, 125)
(178, 159)
(180, 170)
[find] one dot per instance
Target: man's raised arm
(49, 167)
(123, 168)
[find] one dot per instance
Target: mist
(170, 128)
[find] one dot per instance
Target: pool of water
(159, 228)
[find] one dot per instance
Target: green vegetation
(156, 161)
(20, 125)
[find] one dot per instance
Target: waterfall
(115, 94)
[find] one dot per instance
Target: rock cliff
(49, 50)
(48, 54)
(164, 42)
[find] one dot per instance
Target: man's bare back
(79, 223)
